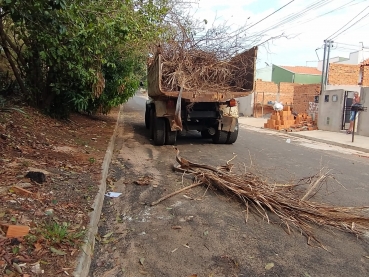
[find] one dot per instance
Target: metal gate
(347, 103)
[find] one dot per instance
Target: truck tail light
(232, 102)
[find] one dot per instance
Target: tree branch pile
(199, 70)
(282, 201)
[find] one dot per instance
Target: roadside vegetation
(63, 56)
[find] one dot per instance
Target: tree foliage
(86, 55)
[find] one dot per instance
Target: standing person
(355, 101)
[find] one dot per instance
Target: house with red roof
(296, 74)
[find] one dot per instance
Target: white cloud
(311, 30)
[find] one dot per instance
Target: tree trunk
(4, 43)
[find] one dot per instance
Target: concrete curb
(85, 258)
(291, 134)
(344, 145)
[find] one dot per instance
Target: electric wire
(337, 42)
(351, 25)
(321, 15)
(294, 16)
(269, 15)
(331, 36)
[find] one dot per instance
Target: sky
(315, 21)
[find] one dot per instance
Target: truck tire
(232, 136)
(220, 137)
(147, 117)
(159, 131)
(170, 136)
(151, 126)
(205, 134)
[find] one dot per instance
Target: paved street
(204, 232)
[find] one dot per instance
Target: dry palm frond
(282, 201)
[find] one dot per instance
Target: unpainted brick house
(285, 80)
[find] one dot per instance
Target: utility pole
(323, 67)
(330, 42)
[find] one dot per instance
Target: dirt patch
(69, 154)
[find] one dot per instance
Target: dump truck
(213, 113)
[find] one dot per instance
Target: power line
(294, 16)
(318, 16)
(270, 14)
(355, 45)
(351, 25)
(361, 26)
(347, 24)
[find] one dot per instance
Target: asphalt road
(204, 232)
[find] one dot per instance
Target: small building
(296, 74)
(264, 73)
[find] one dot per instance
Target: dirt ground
(70, 154)
(199, 232)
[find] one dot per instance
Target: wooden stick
(174, 193)
(313, 186)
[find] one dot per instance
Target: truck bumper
(227, 124)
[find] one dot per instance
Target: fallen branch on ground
(282, 201)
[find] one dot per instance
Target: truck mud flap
(228, 123)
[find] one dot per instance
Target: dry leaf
(37, 246)
(269, 266)
(57, 252)
(17, 268)
(143, 181)
(107, 235)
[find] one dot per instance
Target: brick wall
(343, 74)
(286, 92)
(264, 92)
(268, 90)
(303, 95)
(263, 86)
(365, 76)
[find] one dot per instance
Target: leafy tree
(79, 55)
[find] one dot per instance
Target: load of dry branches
(199, 56)
(207, 55)
(201, 70)
(282, 201)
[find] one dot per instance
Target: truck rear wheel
(151, 120)
(232, 136)
(220, 137)
(147, 117)
(205, 134)
(170, 136)
(159, 131)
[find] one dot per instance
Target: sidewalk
(361, 143)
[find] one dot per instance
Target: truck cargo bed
(246, 70)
